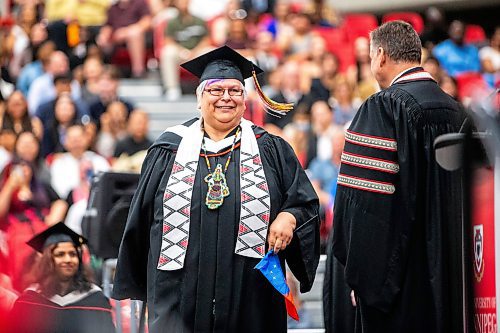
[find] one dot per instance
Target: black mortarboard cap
(221, 63)
(57, 233)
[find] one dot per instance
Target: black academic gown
(34, 313)
(401, 251)
(216, 290)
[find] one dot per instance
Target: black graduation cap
(57, 233)
(226, 63)
(221, 63)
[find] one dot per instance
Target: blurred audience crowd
(62, 119)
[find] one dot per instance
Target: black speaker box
(107, 210)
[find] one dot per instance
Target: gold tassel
(280, 108)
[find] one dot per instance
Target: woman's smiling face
(66, 260)
(225, 111)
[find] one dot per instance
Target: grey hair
(399, 41)
(203, 84)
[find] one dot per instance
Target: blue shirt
(28, 74)
(456, 59)
(323, 171)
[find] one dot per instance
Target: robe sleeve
(131, 272)
(368, 238)
(300, 200)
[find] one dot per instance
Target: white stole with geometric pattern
(255, 199)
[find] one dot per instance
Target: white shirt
(488, 52)
(65, 171)
(42, 90)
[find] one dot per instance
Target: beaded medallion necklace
(216, 180)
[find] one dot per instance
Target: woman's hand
(281, 231)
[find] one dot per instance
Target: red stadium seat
(471, 84)
(474, 34)
(411, 17)
(338, 44)
(359, 25)
(334, 37)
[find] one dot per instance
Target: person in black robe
(397, 214)
(212, 285)
(62, 299)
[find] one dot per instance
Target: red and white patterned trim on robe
(371, 141)
(366, 184)
(370, 163)
(415, 76)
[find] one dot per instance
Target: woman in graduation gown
(215, 194)
(62, 299)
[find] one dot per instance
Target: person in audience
(299, 43)
(322, 127)
(279, 25)
(35, 69)
(131, 151)
(312, 66)
(454, 55)
(136, 139)
(64, 116)
(449, 86)
(127, 22)
(65, 169)
(360, 75)
(435, 30)
(113, 128)
(78, 197)
(62, 84)
(219, 25)
(289, 93)
(362, 57)
(27, 148)
(58, 15)
(323, 175)
(265, 54)
(186, 37)
(108, 92)
(92, 70)
(297, 134)
(62, 297)
(91, 15)
(27, 205)
(17, 117)
(18, 41)
(431, 66)
(344, 102)
(43, 90)
(490, 58)
(238, 38)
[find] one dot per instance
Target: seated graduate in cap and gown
(62, 299)
(215, 194)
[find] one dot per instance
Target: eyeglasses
(220, 91)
